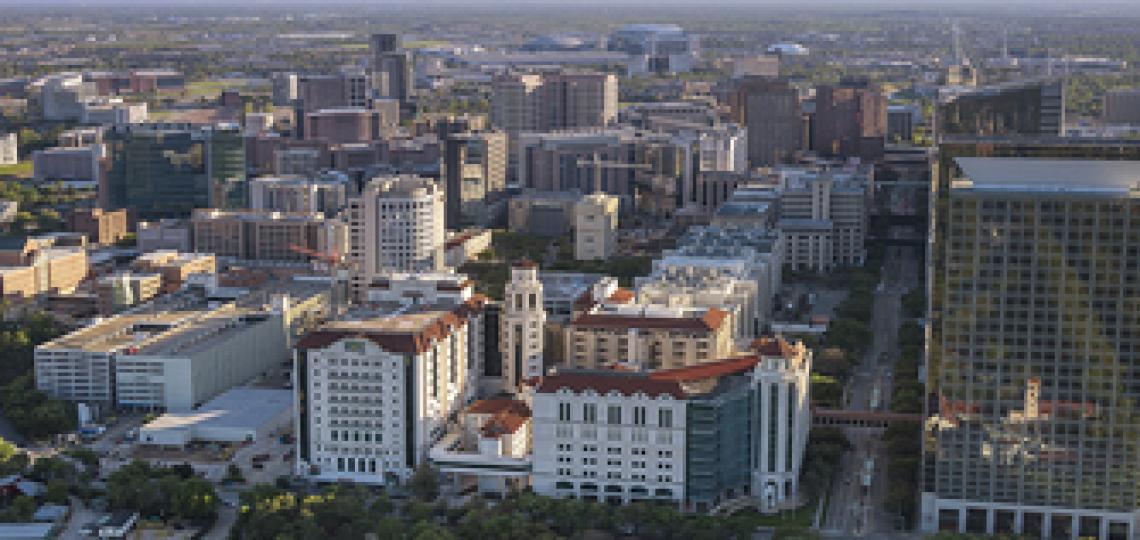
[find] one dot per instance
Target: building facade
(595, 227)
(1028, 385)
(522, 326)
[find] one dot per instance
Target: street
(855, 507)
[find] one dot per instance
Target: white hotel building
(376, 394)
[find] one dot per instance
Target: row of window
(613, 415)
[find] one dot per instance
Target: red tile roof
(773, 346)
(710, 370)
(622, 296)
(525, 263)
(391, 340)
(497, 405)
(711, 321)
(504, 423)
(604, 383)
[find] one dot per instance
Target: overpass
(860, 419)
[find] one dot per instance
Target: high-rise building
(595, 227)
(551, 101)
(770, 108)
(325, 194)
(161, 170)
(392, 68)
(1122, 106)
(396, 224)
(823, 218)
(475, 169)
(349, 88)
(850, 120)
(339, 125)
(1031, 379)
(648, 171)
(1017, 108)
(522, 326)
(284, 89)
(407, 371)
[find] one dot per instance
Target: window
(613, 415)
(590, 413)
(564, 412)
(639, 416)
(665, 418)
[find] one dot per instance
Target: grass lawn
(22, 169)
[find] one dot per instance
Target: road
(855, 510)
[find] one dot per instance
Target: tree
(425, 483)
(56, 492)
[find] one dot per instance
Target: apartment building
(167, 360)
(258, 235)
(617, 332)
(1032, 329)
(163, 235)
(595, 227)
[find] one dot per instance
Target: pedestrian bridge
(860, 419)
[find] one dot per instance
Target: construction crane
(338, 269)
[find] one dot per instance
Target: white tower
(523, 322)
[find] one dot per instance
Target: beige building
(258, 235)
(396, 224)
(823, 218)
(100, 226)
(18, 281)
(647, 336)
(8, 149)
(54, 263)
(521, 326)
(176, 267)
(595, 227)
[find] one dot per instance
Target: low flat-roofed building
(26, 531)
(165, 234)
(176, 267)
(164, 360)
(258, 235)
(100, 226)
(543, 213)
(237, 415)
(121, 290)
